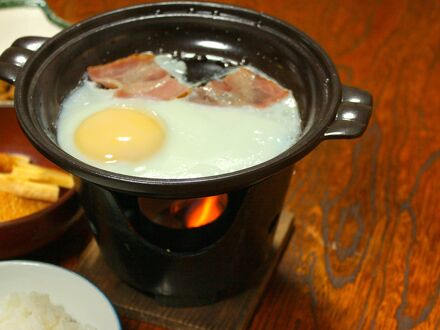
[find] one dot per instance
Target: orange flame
(198, 212)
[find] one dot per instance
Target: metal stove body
(187, 266)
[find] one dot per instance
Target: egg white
(201, 140)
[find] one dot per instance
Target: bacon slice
(240, 87)
(137, 75)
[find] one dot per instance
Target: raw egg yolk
(119, 134)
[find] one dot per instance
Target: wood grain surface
(366, 251)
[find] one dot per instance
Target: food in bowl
(6, 91)
(33, 310)
(56, 286)
(26, 188)
(14, 207)
(150, 121)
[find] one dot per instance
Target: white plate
(79, 297)
(24, 21)
(17, 22)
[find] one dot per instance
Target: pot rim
(184, 186)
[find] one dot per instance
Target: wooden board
(233, 313)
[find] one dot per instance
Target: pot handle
(13, 59)
(353, 114)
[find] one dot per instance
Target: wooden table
(366, 251)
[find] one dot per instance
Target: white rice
(34, 311)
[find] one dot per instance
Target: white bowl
(79, 297)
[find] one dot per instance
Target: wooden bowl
(26, 234)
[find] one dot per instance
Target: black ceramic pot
(45, 71)
(44, 77)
